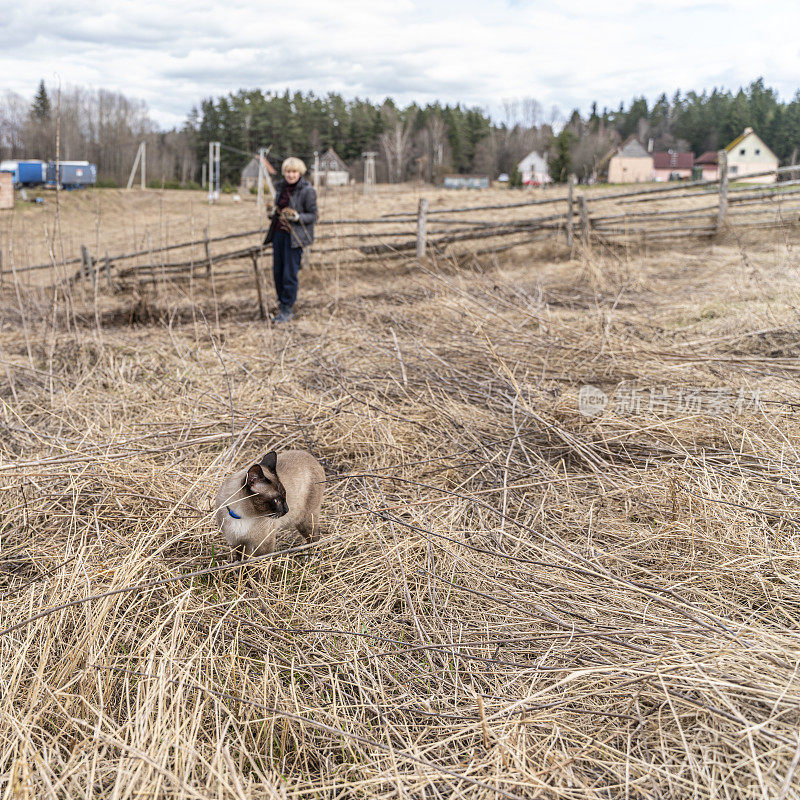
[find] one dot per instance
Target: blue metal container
(31, 173)
(466, 181)
(71, 174)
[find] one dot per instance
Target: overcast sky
(479, 53)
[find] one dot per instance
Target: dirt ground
(513, 595)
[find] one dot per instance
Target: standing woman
(290, 231)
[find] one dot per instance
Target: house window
(742, 152)
(734, 169)
(758, 151)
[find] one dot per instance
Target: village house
(332, 170)
(249, 176)
(673, 166)
(534, 169)
(747, 154)
(631, 164)
(709, 163)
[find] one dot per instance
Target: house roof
(251, 168)
(330, 161)
(709, 157)
(671, 160)
(747, 133)
(633, 148)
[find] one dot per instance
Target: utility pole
(141, 155)
(369, 171)
(213, 171)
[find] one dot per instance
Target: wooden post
(87, 265)
(723, 188)
(262, 312)
(208, 253)
(1, 269)
(570, 200)
(585, 225)
(422, 215)
(109, 282)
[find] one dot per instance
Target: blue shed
(31, 173)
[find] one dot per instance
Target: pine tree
(594, 119)
(40, 110)
(561, 164)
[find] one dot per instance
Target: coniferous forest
(412, 142)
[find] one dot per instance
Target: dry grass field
(510, 598)
(118, 221)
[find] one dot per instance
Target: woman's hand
(289, 214)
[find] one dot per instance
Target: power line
(253, 154)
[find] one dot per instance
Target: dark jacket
(304, 201)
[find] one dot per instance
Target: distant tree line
(415, 142)
(423, 142)
(410, 142)
(94, 125)
(692, 122)
(710, 121)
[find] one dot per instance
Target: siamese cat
(283, 492)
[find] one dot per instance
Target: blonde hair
(293, 163)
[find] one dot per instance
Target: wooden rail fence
(610, 218)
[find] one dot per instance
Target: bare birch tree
(395, 142)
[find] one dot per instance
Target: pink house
(709, 162)
(672, 165)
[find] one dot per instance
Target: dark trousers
(285, 266)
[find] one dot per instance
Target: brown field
(116, 221)
(510, 598)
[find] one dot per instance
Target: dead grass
(511, 599)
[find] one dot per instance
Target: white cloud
(475, 53)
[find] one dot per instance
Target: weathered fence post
(422, 214)
(87, 265)
(585, 225)
(208, 253)
(570, 200)
(262, 312)
(723, 188)
(109, 282)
